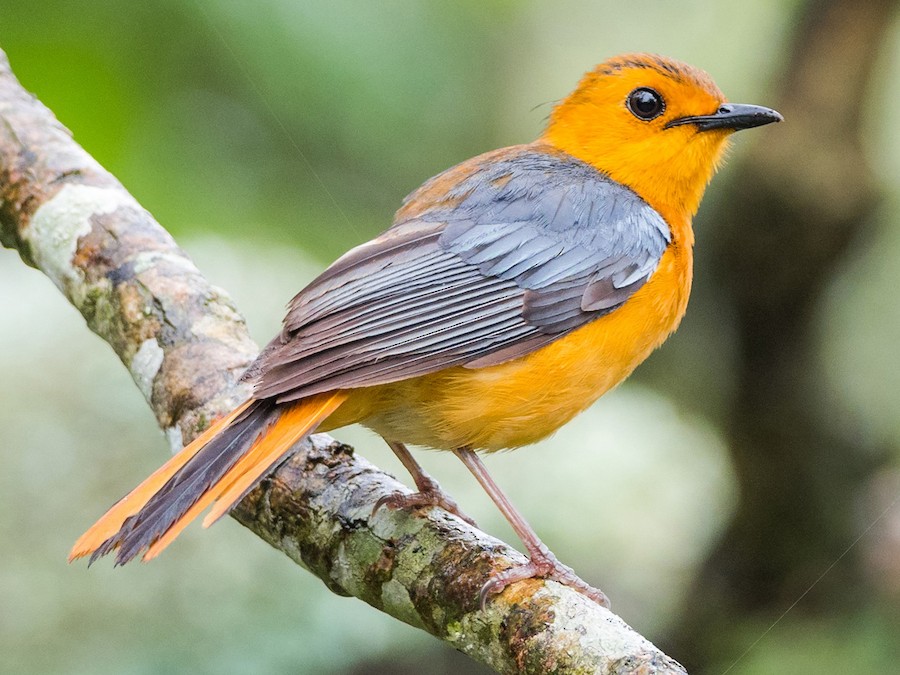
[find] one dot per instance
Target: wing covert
(484, 264)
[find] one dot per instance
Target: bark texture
(186, 345)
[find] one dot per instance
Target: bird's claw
(544, 567)
(431, 495)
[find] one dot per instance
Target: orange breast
(522, 401)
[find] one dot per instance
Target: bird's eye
(645, 104)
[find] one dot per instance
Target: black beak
(732, 116)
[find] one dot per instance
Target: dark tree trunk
(794, 208)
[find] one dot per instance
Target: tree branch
(186, 345)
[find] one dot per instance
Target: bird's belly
(524, 400)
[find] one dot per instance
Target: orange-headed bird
(511, 292)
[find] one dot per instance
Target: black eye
(645, 103)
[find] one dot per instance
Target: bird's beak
(733, 116)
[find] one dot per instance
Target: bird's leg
(429, 492)
(542, 563)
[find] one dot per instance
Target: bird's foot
(429, 494)
(544, 565)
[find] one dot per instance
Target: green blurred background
(706, 496)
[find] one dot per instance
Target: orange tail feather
(134, 501)
(220, 466)
(297, 422)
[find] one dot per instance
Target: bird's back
(497, 403)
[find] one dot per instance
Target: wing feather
(522, 248)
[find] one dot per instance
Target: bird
(510, 293)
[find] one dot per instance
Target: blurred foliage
(272, 136)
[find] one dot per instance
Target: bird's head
(654, 124)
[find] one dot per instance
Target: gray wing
(524, 248)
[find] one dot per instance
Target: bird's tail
(219, 467)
